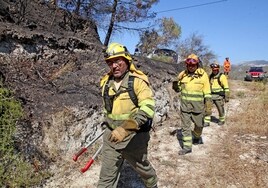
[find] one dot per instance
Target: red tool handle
(91, 160)
(86, 167)
(75, 157)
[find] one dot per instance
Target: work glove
(208, 107)
(227, 96)
(122, 131)
(175, 86)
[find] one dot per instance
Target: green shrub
(14, 170)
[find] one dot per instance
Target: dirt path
(196, 169)
(189, 170)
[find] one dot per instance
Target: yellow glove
(208, 107)
(118, 134)
(130, 125)
(121, 132)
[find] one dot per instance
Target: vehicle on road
(165, 54)
(255, 74)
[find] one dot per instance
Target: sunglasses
(190, 61)
(111, 62)
(213, 66)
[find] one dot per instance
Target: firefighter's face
(192, 67)
(215, 71)
(118, 66)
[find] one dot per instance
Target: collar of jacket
(197, 73)
(216, 75)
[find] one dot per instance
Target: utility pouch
(222, 93)
(147, 126)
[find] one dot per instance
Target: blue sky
(237, 29)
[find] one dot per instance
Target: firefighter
(219, 90)
(227, 66)
(195, 103)
(127, 135)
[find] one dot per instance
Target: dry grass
(64, 69)
(253, 118)
(241, 159)
(234, 155)
(236, 165)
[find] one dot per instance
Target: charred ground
(53, 62)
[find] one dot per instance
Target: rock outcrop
(53, 62)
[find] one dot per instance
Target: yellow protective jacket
(195, 90)
(122, 106)
(219, 86)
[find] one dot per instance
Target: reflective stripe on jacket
(123, 108)
(219, 85)
(195, 88)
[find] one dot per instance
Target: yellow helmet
(192, 59)
(117, 50)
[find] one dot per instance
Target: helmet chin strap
(123, 75)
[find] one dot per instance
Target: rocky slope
(53, 62)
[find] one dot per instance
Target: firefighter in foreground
(196, 104)
(219, 90)
(127, 135)
(227, 66)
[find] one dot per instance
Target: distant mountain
(255, 63)
(238, 72)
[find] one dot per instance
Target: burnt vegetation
(51, 63)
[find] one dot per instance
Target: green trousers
(220, 107)
(135, 153)
(187, 118)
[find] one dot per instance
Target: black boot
(206, 124)
(179, 137)
(221, 123)
(184, 151)
(197, 141)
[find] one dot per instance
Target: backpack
(108, 101)
(218, 78)
(221, 93)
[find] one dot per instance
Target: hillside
(255, 63)
(53, 62)
(233, 155)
